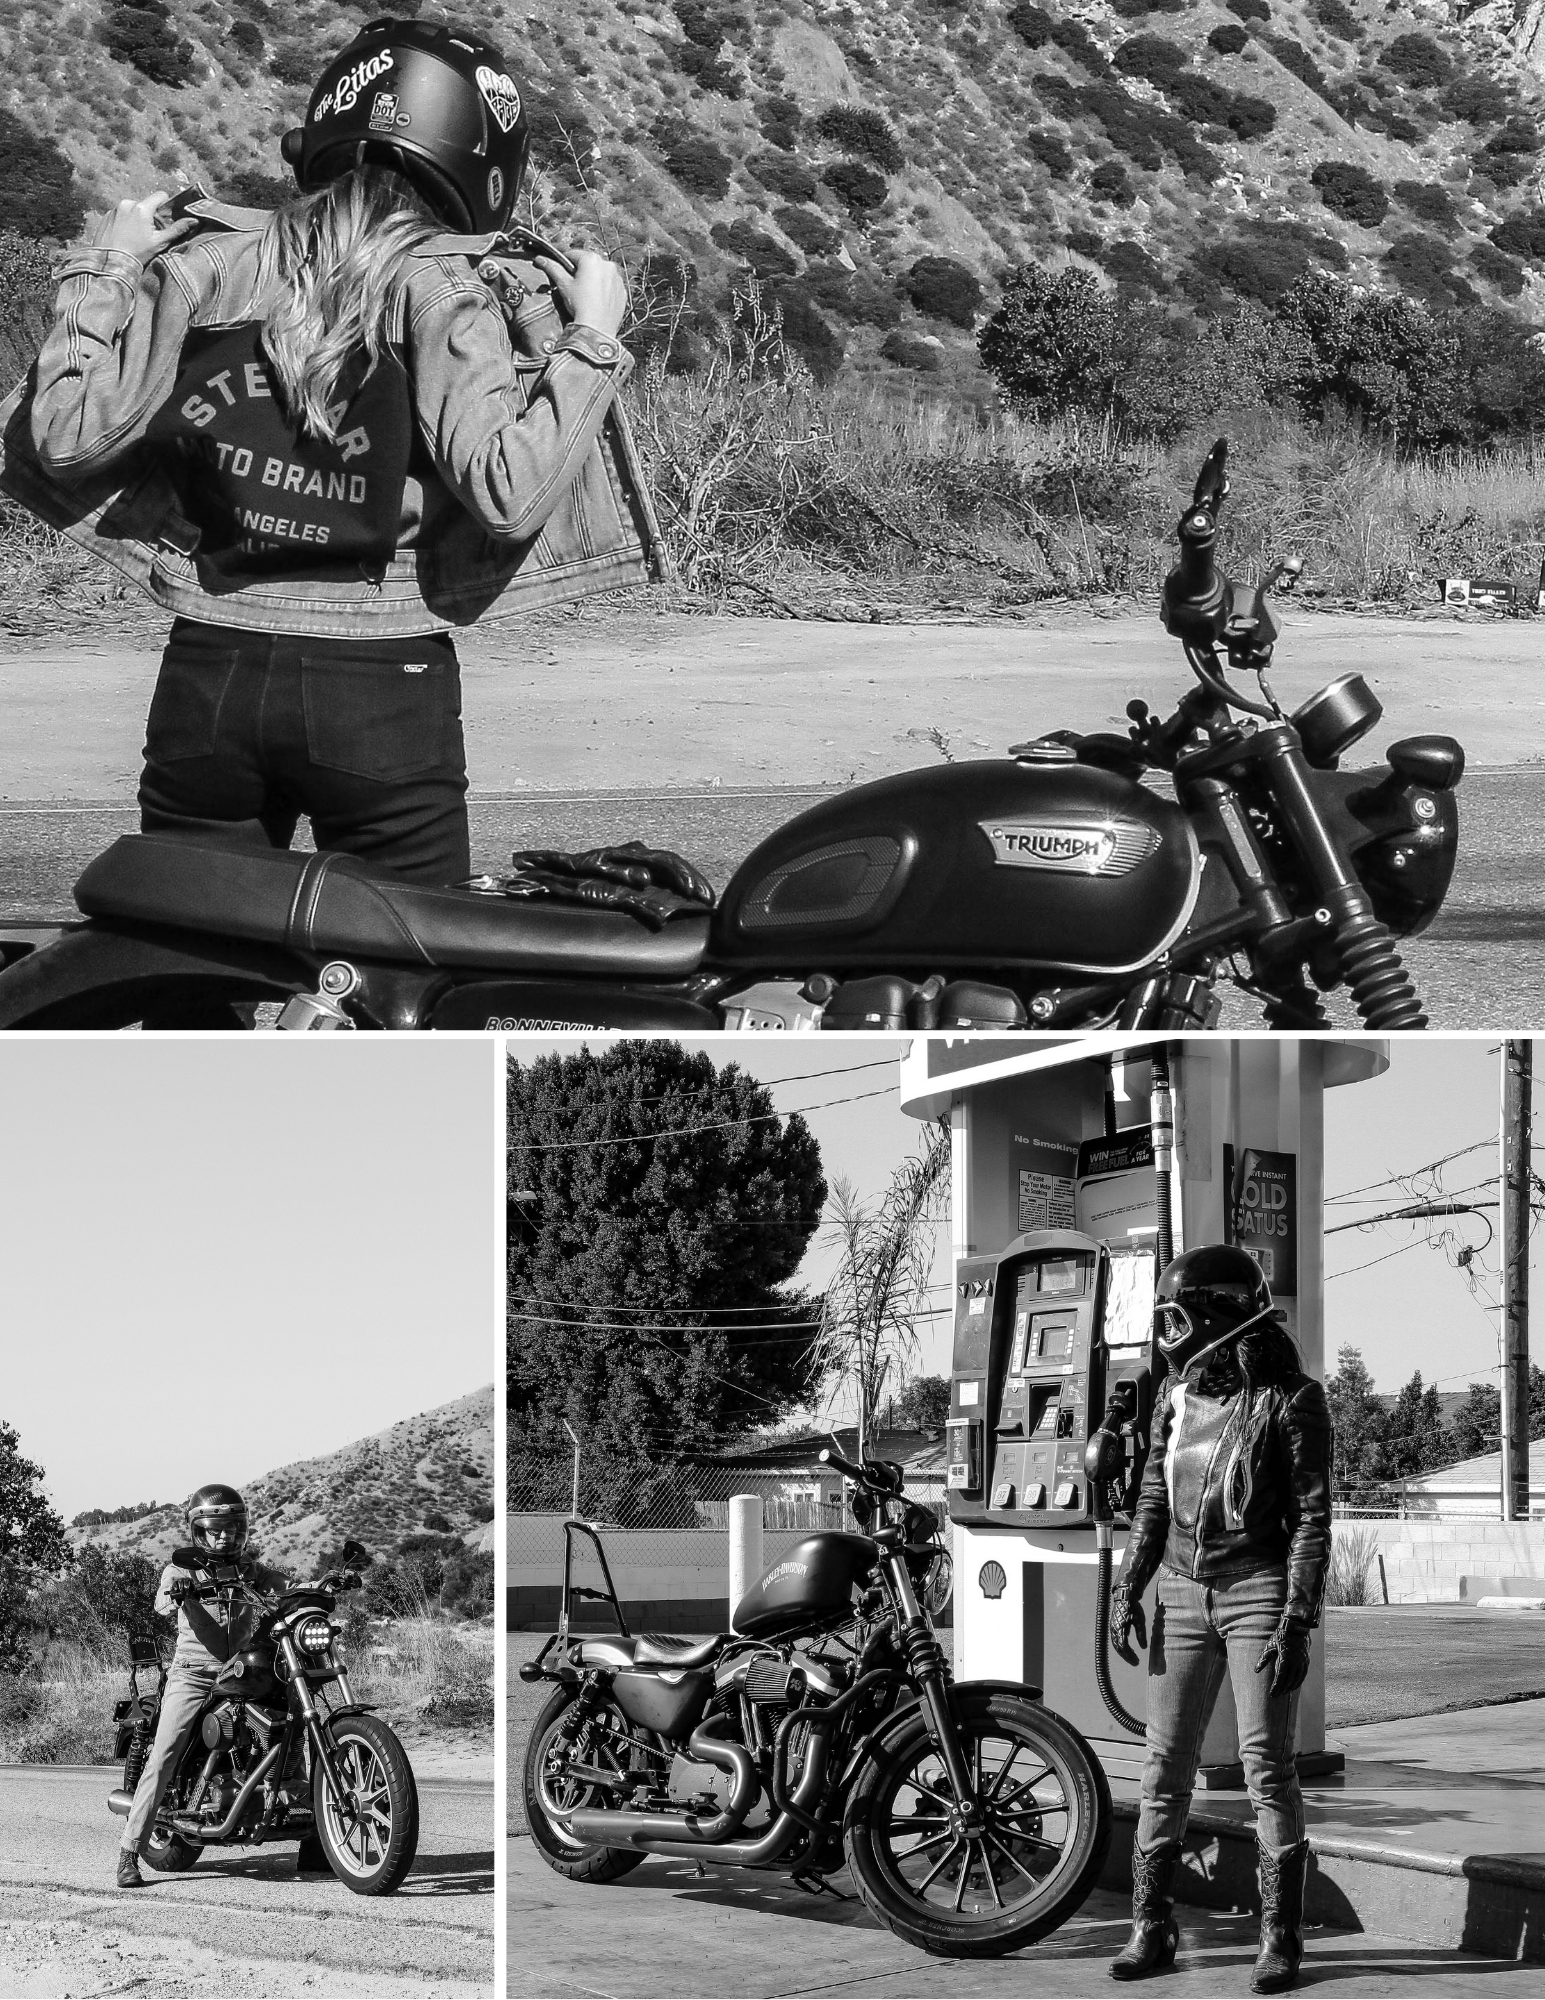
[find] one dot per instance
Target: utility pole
(1517, 1079)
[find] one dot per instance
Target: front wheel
(370, 1835)
(979, 1886)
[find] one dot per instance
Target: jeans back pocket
(385, 718)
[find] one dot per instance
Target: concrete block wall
(1446, 1562)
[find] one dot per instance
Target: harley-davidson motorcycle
(1052, 889)
(826, 1726)
(283, 1751)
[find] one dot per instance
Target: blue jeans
(1199, 1629)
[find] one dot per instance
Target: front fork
(925, 1662)
(312, 1715)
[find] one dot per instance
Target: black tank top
(267, 499)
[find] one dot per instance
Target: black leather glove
(179, 1588)
(1126, 1617)
(1286, 1652)
(631, 864)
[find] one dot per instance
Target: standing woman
(1234, 1518)
(348, 455)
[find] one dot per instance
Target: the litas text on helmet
(345, 92)
(500, 95)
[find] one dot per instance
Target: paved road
(238, 1924)
(1387, 1662)
(667, 1930)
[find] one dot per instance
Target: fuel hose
(1108, 1695)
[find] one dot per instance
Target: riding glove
(1286, 1652)
(1126, 1617)
(631, 863)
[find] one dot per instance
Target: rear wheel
(546, 1791)
(979, 1887)
(370, 1835)
(167, 1852)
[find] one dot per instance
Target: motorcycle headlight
(314, 1635)
(938, 1583)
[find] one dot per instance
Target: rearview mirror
(186, 1558)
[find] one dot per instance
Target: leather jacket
(485, 468)
(1238, 1478)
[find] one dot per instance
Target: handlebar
(877, 1475)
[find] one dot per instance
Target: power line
(692, 1131)
(1410, 1173)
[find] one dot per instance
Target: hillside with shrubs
(1313, 212)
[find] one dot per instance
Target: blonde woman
(330, 453)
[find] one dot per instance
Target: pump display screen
(1054, 1340)
(1060, 1274)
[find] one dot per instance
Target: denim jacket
(493, 471)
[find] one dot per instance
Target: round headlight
(939, 1583)
(314, 1635)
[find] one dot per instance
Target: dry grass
(1349, 1579)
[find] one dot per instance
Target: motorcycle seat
(333, 905)
(659, 1649)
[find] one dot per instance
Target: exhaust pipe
(191, 1830)
(626, 1829)
(656, 1834)
(120, 1802)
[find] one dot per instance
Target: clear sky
(222, 1256)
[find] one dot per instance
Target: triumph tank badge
(1070, 846)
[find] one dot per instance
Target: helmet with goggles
(1207, 1298)
(217, 1521)
(432, 100)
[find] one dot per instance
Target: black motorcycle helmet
(436, 103)
(218, 1510)
(1207, 1298)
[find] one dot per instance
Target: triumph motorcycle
(825, 1727)
(1085, 881)
(282, 1751)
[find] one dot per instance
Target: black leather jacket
(1239, 1477)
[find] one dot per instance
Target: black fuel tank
(990, 863)
(815, 1580)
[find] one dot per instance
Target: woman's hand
(133, 227)
(593, 294)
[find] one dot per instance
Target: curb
(1493, 1904)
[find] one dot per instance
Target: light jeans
(1200, 1628)
(187, 1684)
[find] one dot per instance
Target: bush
(254, 189)
(811, 233)
(1131, 266)
(293, 64)
(1473, 98)
(1351, 192)
(1130, 10)
(707, 70)
(248, 37)
(780, 119)
(1085, 242)
(784, 176)
(765, 254)
(143, 37)
(1109, 183)
(1249, 10)
(817, 344)
(941, 288)
(1297, 61)
(692, 159)
(1150, 57)
(41, 195)
(1427, 200)
(1508, 156)
(1348, 1575)
(858, 187)
(1423, 267)
(1052, 152)
(1383, 357)
(1494, 269)
(1522, 236)
(1033, 26)
(437, 1522)
(1417, 60)
(1337, 19)
(1075, 40)
(1227, 40)
(701, 25)
(1268, 260)
(862, 133)
(907, 350)
(1049, 343)
(562, 137)
(1250, 117)
(856, 296)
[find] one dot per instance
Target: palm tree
(869, 1314)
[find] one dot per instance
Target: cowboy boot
(1282, 1919)
(1154, 1936)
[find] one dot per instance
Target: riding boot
(312, 1858)
(129, 1876)
(1282, 1918)
(1155, 1937)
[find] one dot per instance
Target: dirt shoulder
(600, 699)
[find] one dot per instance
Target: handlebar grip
(843, 1465)
(1198, 567)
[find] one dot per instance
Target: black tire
(560, 1850)
(167, 1852)
(1047, 1835)
(371, 1840)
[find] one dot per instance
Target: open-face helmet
(1206, 1298)
(217, 1521)
(435, 102)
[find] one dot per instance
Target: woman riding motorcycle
(1234, 1518)
(309, 435)
(217, 1525)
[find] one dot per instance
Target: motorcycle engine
(701, 1787)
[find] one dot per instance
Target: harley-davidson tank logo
(786, 1569)
(1070, 846)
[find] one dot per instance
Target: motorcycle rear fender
(76, 980)
(900, 1718)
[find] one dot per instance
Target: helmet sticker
(495, 189)
(345, 92)
(500, 95)
(384, 115)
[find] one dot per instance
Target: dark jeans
(1200, 1631)
(248, 730)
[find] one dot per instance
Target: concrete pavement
(238, 1923)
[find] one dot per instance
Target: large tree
(32, 1545)
(658, 1207)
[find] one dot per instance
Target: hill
(882, 165)
(427, 1470)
